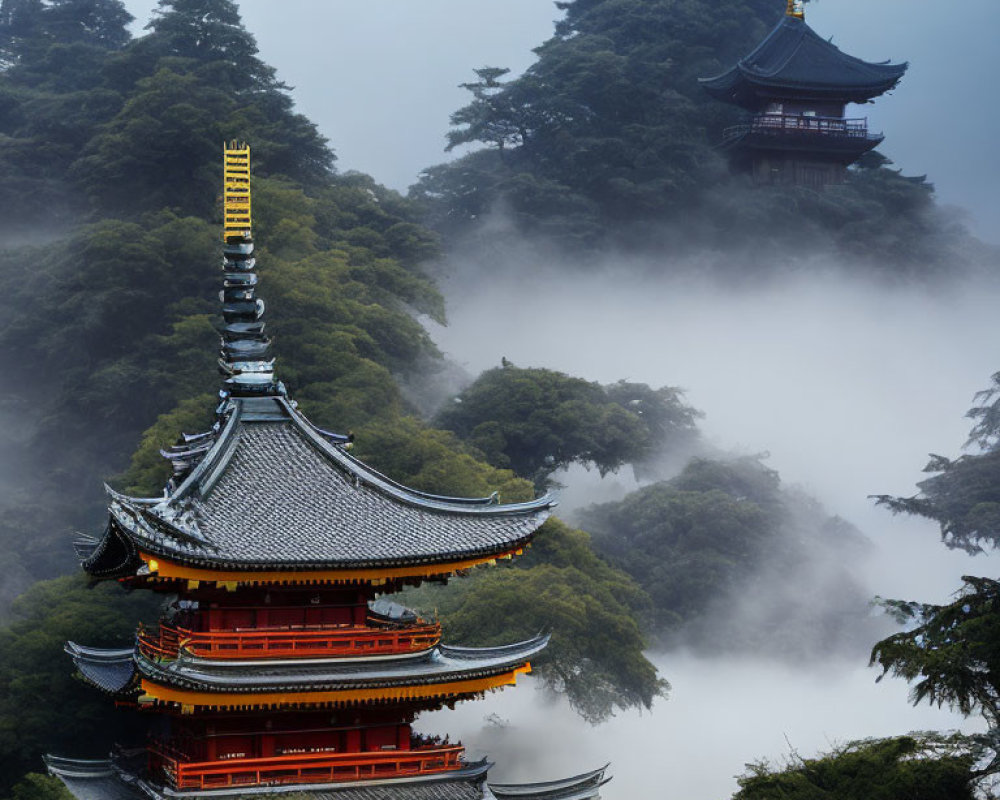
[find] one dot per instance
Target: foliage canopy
(730, 559)
(922, 766)
(536, 421)
(595, 657)
(964, 496)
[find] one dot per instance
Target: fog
(719, 716)
(846, 382)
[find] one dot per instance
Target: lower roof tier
(273, 494)
(441, 673)
(108, 780)
(748, 140)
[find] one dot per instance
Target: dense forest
(109, 190)
(608, 142)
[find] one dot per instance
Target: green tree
(916, 767)
(103, 23)
(964, 496)
(608, 142)
(596, 654)
(210, 32)
(39, 787)
(42, 705)
(536, 421)
(20, 29)
(726, 554)
(949, 652)
(483, 119)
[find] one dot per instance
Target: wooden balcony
(166, 642)
(781, 125)
(301, 768)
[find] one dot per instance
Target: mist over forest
(717, 378)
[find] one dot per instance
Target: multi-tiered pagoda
(276, 668)
(796, 85)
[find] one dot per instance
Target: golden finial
(796, 9)
(236, 190)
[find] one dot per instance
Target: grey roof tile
(274, 491)
(113, 670)
(104, 780)
(794, 60)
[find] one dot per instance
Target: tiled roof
(110, 670)
(113, 670)
(104, 780)
(273, 491)
(795, 62)
(586, 786)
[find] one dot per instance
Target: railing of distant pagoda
(166, 642)
(837, 127)
(312, 767)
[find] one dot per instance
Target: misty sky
(380, 77)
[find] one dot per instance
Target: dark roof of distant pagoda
(275, 491)
(106, 780)
(113, 670)
(794, 62)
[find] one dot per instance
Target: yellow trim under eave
(160, 567)
(190, 700)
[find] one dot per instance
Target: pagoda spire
(245, 348)
(796, 8)
(280, 668)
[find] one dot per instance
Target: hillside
(608, 144)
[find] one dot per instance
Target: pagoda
(796, 86)
(276, 666)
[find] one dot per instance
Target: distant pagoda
(276, 669)
(796, 84)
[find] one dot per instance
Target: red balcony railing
(166, 642)
(312, 767)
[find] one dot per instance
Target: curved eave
(186, 554)
(113, 671)
(114, 555)
(793, 62)
(404, 533)
(159, 566)
(843, 150)
(189, 700)
(579, 787)
(751, 91)
(442, 665)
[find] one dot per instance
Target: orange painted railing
(166, 642)
(315, 767)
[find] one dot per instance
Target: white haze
(719, 716)
(847, 383)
